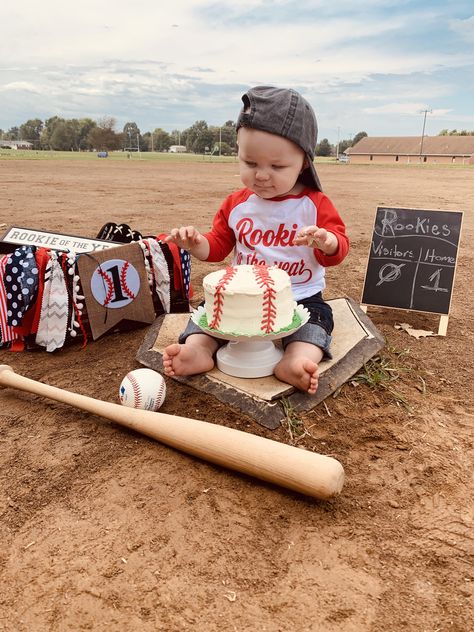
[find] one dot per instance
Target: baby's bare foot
(186, 360)
(298, 371)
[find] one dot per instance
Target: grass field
(8, 154)
(11, 155)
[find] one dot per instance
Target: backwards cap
(285, 113)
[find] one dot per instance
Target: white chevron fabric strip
(54, 310)
(42, 333)
(162, 275)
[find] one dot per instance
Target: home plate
(355, 340)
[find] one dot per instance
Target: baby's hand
(185, 237)
(316, 237)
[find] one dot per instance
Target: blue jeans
(317, 331)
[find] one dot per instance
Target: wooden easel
(442, 325)
(412, 261)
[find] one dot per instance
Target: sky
(376, 66)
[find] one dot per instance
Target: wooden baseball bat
(303, 471)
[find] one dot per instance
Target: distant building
(343, 157)
(410, 149)
(16, 144)
(177, 149)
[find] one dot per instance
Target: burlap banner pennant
(115, 287)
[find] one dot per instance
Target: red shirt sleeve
(221, 237)
(329, 218)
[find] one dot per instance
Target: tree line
(454, 132)
(86, 134)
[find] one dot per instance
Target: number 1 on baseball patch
(115, 284)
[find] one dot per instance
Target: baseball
(143, 388)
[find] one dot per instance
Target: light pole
(337, 146)
(424, 112)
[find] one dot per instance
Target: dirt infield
(104, 529)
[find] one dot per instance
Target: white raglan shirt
(262, 231)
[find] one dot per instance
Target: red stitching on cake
(230, 272)
(266, 282)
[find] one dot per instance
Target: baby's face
(269, 164)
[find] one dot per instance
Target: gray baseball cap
(285, 113)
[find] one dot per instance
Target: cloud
(405, 109)
(376, 58)
(18, 86)
(464, 28)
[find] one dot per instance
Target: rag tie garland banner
(49, 298)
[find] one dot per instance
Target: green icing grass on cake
(296, 322)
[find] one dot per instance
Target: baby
(281, 217)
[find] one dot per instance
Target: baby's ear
(305, 164)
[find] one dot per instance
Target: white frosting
(248, 300)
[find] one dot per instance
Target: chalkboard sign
(412, 259)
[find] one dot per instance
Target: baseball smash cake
(249, 300)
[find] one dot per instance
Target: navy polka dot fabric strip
(21, 283)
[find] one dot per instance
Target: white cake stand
(249, 356)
